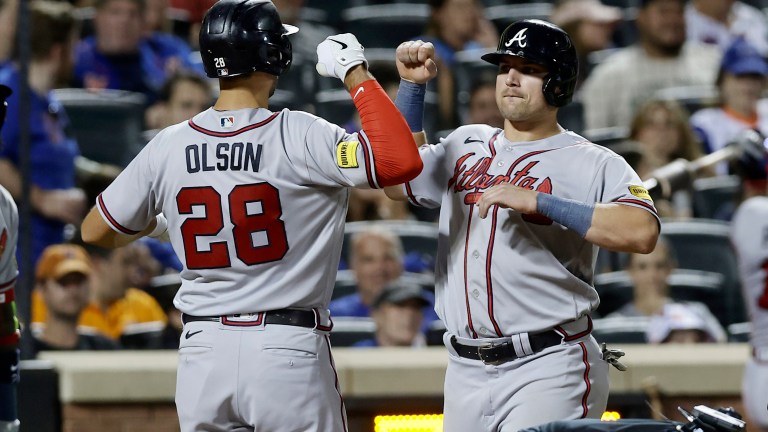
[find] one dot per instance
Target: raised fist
(337, 54)
(415, 61)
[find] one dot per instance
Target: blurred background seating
(107, 124)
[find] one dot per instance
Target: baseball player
(9, 327)
(523, 210)
(749, 237)
(254, 202)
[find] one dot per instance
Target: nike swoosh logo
(360, 90)
(189, 335)
(471, 140)
(343, 45)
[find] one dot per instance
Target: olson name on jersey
(223, 157)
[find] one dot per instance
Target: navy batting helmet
(545, 44)
(243, 36)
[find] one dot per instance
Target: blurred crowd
(660, 80)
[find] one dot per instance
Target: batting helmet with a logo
(243, 36)
(545, 44)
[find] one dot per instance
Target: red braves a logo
(475, 179)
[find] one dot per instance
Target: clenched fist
(416, 61)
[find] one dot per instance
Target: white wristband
(161, 227)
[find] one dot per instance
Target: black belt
(292, 317)
(504, 352)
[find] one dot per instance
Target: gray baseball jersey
(504, 278)
(9, 229)
(513, 273)
(749, 236)
(255, 203)
(244, 189)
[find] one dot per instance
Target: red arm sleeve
(396, 157)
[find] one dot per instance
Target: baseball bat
(680, 173)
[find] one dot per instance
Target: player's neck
(251, 91)
(530, 131)
(235, 99)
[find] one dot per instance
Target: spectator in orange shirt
(117, 307)
(64, 275)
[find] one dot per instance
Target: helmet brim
(494, 57)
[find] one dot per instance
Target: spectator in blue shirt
(398, 314)
(120, 56)
(54, 198)
(376, 259)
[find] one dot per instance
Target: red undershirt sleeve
(396, 157)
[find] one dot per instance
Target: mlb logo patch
(227, 121)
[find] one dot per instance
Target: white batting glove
(337, 54)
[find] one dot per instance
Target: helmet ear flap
(275, 54)
(558, 92)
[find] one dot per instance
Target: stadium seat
(692, 98)
(703, 287)
(703, 244)
(385, 25)
(435, 333)
(326, 10)
(608, 137)
(715, 197)
(345, 284)
(348, 331)
(739, 332)
(108, 124)
(571, 116)
(614, 289)
(503, 15)
(624, 4)
(620, 330)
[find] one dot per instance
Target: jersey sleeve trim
(410, 195)
(114, 224)
(8, 284)
(233, 133)
(640, 203)
(369, 161)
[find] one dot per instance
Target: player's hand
(508, 196)
(416, 61)
(337, 54)
(66, 205)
